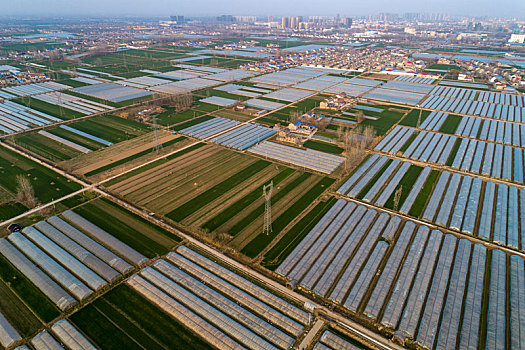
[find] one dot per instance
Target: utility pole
(157, 145)
(267, 193)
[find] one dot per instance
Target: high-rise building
(226, 18)
(285, 22)
(178, 19)
(348, 22)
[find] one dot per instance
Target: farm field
(219, 191)
(124, 155)
(47, 184)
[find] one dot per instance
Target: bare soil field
(94, 160)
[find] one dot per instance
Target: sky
(503, 8)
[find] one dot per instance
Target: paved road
(311, 334)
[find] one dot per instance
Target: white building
(517, 38)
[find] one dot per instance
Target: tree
(24, 192)
(360, 116)
(397, 197)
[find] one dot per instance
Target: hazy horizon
(510, 8)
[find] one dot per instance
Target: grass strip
(421, 199)
(323, 147)
(406, 184)
(451, 124)
(454, 151)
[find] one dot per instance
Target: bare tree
(24, 192)
(360, 116)
(397, 197)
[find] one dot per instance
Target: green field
(444, 67)
(451, 124)
(386, 120)
(170, 117)
(78, 139)
(124, 319)
(46, 147)
(111, 128)
(147, 239)
(323, 147)
(411, 119)
(47, 184)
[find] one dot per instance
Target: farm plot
(307, 158)
(212, 300)
(112, 92)
(244, 136)
(35, 89)
(169, 185)
(49, 146)
(290, 95)
(122, 156)
(425, 146)
(264, 104)
(404, 276)
(414, 79)
(15, 117)
(60, 143)
(47, 185)
(396, 96)
(63, 335)
(349, 89)
(110, 128)
(486, 158)
(329, 340)
(74, 103)
(184, 85)
(209, 127)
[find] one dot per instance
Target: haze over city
(507, 8)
